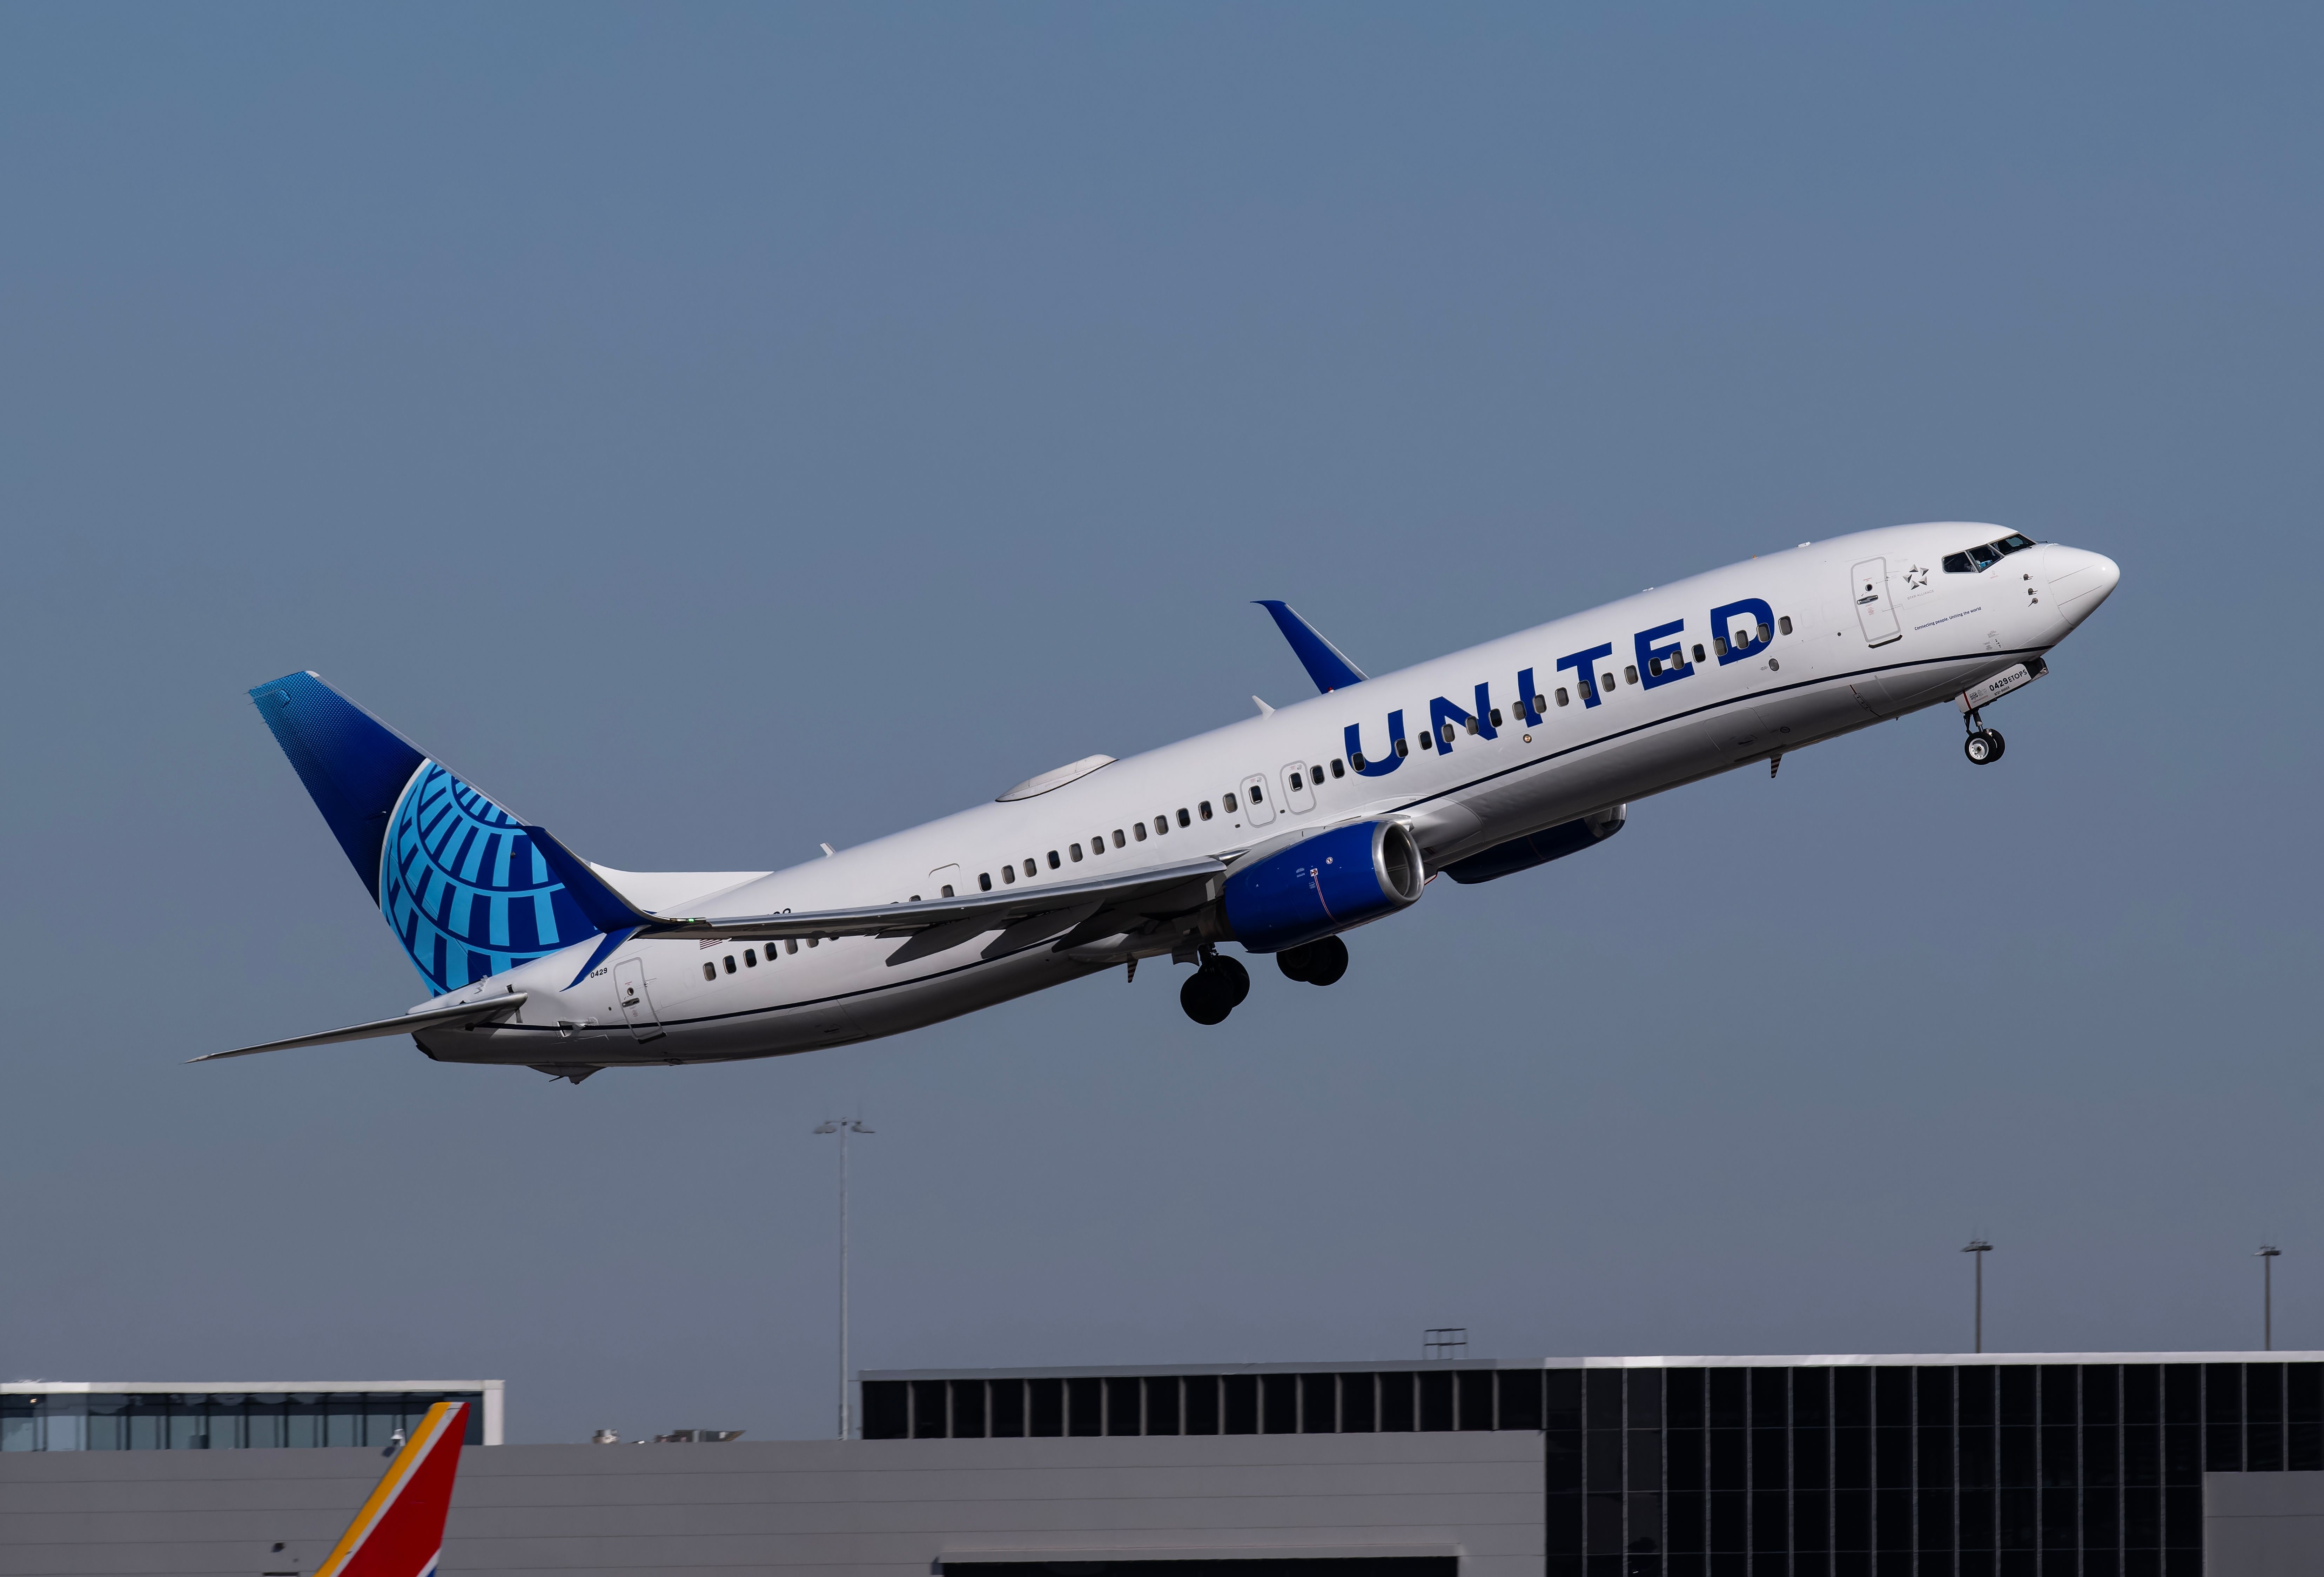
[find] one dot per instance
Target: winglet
(1324, 662)
(600, 905)
(399, 1531)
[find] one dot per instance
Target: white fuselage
(1831, 667)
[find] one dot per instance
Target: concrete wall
(2263, 1524)
(862, 1508)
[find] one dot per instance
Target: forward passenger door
(1298, 793)
(1867, 589)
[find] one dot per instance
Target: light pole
(843, 1127)
(2266, 1258)
(1981, 1248)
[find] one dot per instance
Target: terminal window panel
(220, 1420)
(1968, 1471)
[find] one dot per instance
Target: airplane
(399, 1531)
(1281, 832)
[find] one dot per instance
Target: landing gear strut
(1318, 963)
(1984, 745)
(1215, 989)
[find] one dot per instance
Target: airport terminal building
(1916, 1465)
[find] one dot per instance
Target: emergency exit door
(637, 1007)
(1867, 589)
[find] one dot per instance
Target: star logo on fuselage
(1917, 578)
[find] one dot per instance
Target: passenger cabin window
(790, 943)
(1315, 777)
(1228, 801)
(1719, 644)
(1338, 770)
(1402, 748)
(1204, 810)
(1007, 874)
(710, 972)
(815, 941)
(1161, 824)
(1631, 673)
(1560, 696)
(750, 958)
(947, 890)
(1054, 863)
(1117, 837)
(1184, 819)
(1076, 850)
(1032, 867)
(1497, 717)
(1297, 782)
(1257, 796)
(984, 881)
(730, 963)
(1139, 828)
(1428, 740)
(1784, 623)
(1540, 705)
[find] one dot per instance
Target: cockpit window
(1985, 556)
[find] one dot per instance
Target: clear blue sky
(719, 429)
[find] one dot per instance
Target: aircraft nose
(2079, 580)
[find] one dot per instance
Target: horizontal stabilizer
(1324, 662)
(403, 1024)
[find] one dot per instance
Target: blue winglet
(603, 907)
(1323, 661)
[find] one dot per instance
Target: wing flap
(403, 1024)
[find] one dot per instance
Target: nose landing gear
(1215, 989)
(1984, 745)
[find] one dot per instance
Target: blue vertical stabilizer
(1324, 662)
(455, 876)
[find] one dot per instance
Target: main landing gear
(1318, 963)
(1220, 986)
(1215, 989)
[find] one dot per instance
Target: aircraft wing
(1167, 889)
(402, 1024)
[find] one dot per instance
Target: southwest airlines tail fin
(458, 878)
(399, 1531)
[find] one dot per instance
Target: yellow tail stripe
(390, 1484)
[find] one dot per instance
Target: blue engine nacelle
(1324, 884)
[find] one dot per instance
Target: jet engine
(1323, 885)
